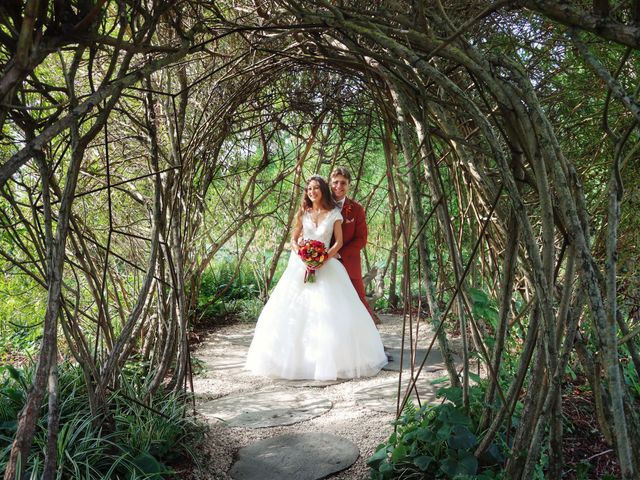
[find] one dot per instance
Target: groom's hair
(344, 171)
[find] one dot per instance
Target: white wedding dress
(316, 330)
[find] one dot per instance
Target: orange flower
(313, 253)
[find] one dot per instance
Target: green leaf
(491, 315)
(374, 460)
(425, 435)
(8, 426)
(462, 438)
(468, 465)
(386, 469)
(454, 416)
(492, 456)
(423, 462)
(444, 432)
(453, 394)
(479, 298)
(486, 475)
(410, 436)
(147, 463)
(439, 380)
(17, 376)
(449, 466)
(465, 464)
(398, 453)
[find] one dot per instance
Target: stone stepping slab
(266, 409)
(241, 339)
(391, 340)
(435, 362)
(301, 456)
(383, 396)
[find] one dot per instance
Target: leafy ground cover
(438, 441)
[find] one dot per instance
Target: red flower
(313, 253)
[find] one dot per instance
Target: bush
(248, 310)
(438, 441)
(137, 444)
(223, 295)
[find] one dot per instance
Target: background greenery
(190, 174)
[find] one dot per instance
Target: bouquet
(313, 253)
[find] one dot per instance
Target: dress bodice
(324, 230)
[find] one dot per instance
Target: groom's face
(339, 186)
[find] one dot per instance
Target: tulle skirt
(319, 330)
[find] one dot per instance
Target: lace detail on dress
(324, 230)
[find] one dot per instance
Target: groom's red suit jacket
(354, 237)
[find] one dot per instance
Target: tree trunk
(46, 358)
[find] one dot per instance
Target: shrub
(221, 294)
(138, 443)
(437, 441)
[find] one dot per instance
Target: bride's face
(313, 191)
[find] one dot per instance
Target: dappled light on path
(266, 409)
(244, 409)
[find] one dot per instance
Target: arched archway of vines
(194, 135)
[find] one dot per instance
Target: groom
(354, 232)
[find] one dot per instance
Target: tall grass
(140, 443)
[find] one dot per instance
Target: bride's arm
(337, 235)
(295, 235)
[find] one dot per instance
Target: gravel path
(221, 357)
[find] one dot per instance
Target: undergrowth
(139, 442)
(438, 441)
(225, 292)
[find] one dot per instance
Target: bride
(318, 330)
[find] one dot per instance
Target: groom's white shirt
(340, 203)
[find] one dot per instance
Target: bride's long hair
(328, 203)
